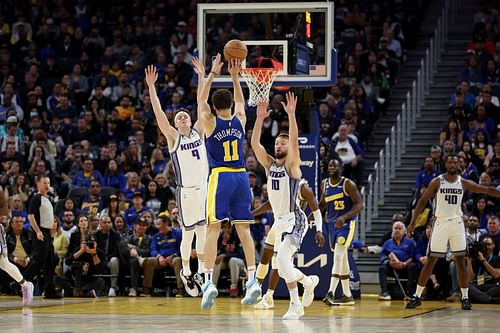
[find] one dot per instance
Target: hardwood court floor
(123, 314)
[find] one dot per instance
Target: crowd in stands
(472, 130)
(73, 107)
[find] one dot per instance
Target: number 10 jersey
(283, 190)
(449, 198)
(189, 157)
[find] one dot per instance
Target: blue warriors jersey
(337, 200)
(225, 145)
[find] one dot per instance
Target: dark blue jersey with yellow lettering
(225, 145)
(337, 200)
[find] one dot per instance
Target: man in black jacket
(108, 241)
(133, 250)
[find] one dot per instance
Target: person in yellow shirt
(125, 110)
(61, 243)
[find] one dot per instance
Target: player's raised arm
(260, 152)
(476, 188)
(293, 160)
(426, 196)
(199, 69)
(165, 127)
(205, 116)
(239, 101)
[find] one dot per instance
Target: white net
(259, 82)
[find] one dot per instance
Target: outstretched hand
(262, 111)
(291, 103)
(234, 66)
(199, 68)
(217, 65)
(151, 75)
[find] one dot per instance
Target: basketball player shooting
(448, 227)
(189, 156)
(291, 224)
(229, 194)
(5, 264)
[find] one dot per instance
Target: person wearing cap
(11, 136)
(113, 208)
(133, 250)
(183, 35)
(437, 157)
(137, 208)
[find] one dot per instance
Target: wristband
(318, 220)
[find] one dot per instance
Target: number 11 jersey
(189, 158)
(449, 198)
(225, 145)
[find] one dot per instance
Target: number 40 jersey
(189, 158)
(449, 198)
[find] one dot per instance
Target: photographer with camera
(484, 272)
(85, 260)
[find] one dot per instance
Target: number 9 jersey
(337, 200)
(189, 158)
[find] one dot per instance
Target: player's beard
(453, 172)
(280, 155)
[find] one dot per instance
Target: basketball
(235, 48)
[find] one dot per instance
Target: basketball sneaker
(344, 301)
(466, 304)
(329, 299)
(27, 290)
(189, 285)
(295, 311)
(209, 294)
(308, 296)
(266, 303)
(414, 302)
(199, 280)
(253, 292)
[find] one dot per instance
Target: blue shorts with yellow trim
(229, 196)
(343, 235)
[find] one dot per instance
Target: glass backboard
(297, 35)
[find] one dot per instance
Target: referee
(41, 217)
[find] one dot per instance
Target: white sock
(346, 288)
(306, 281)
(186, 270)
(419, 291)
(251, 273)
(201, 266)
(334, 282)
(270, 293)
(208, 275)
(465, 292)
(24, 284)
(294, 295)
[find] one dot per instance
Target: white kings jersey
(449, 198)
(283, 190)
(189, 157)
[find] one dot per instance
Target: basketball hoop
(259, 82)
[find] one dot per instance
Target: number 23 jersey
(449, 198)
(337, 199)
(189, 158)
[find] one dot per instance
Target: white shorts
(192, 204)
(293, 225)
(446, 231)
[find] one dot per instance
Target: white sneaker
(295, 311)
(111, 292)
(189, 285)
(132, 292)
(27, 293)
(209, 294)
(253, 292)
(266, 303)
(308, 296)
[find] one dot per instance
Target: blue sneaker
(253, 292)
(209, 294)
